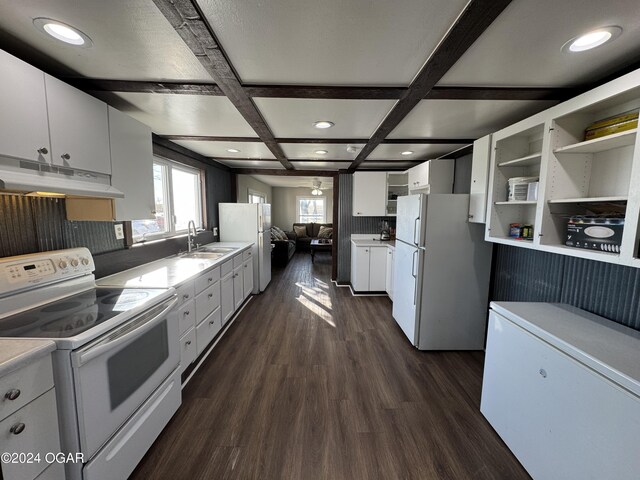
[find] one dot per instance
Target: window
(178, 199)
(311, 209)
(256, 197)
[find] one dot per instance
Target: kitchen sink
(214, 249)
(206, 255)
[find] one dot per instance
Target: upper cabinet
(132, 166)
(397, 186)
(432, 176)
(369, 194)
(587, 200)
(79, 128)
(24, 129)
(479, 179)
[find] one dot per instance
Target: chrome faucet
(191, 235)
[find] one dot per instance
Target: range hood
(26, 177)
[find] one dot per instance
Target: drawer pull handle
(543, 373)
(210, 295)
(43, 151)
(186, 314)
(211, 322)
(210, 279)
(12, 394)
(185, 296)
(17, 429)
(188, 342)
(65, 156)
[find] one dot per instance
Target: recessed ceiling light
(323, 124)
(592, 39)
(407, 152)
(321, 152)
(63, 32)
(233, 150)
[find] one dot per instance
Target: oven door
(116, 373)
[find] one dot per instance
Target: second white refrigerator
(441, 273)
(250, 222)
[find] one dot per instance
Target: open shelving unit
(576, 176)
(397, 186)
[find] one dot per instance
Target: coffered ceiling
(426, 77)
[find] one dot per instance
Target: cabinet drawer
(207, 302)
(226, 267)
(187, 316)
(208, 279)
(185, 292)
(187, 349)
(207, 330)
(35, 430)
(25, 385)
(247, 254)
(237, 261)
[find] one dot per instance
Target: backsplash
(38, 224)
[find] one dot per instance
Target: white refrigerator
(250, 222)
(441, 273)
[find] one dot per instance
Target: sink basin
(214, 249)
(207, 255)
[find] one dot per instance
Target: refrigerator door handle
(415, 230)
(415, 284)
(413, 264)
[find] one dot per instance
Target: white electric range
(116, 367)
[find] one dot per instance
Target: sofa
(283, 250)
(312, 230)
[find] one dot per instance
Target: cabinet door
(188, 350)
(378, 269)
(79, 128)
(238, 286)
(389, 279)
(360, 269)
(207, 301)
(419, 176)
(24, 129)
(369, 194)
(207, 330)
(479, 179)
(131, 166)
(248, 277)
(227, 304)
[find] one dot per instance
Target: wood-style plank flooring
(312, 383)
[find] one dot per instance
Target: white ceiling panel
(307, 151)
(388, 151)
(184, 114)
(391, 165)
(251, 164)
(131, 39)
(320, 165)
(219, 149)
(368, 42)
(463, 118)
(294, 117)
(522, 47)
(293, 181)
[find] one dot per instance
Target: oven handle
(126, 335)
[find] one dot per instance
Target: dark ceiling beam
(474, 20)
(187, 19)
(316, 160)
(167, 149)
(361, 141)
(324, 91)
(288, 173)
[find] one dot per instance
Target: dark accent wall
(525, 275)
(37, 224)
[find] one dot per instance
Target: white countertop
(607, 347)
(16, 353)
(361, 242)
(171, 271)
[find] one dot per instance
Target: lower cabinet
(188, 351)
(369, 268)
(238, 286)
(207, 330)
(559, 417)
(389, 273)
(226, 297)
(248, 277)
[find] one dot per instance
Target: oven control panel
(17, 273)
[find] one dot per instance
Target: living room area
(301, 212)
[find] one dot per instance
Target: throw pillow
(301, 231)
(280, 233)
(325, 232)
(274, 235)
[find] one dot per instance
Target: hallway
(312, 383)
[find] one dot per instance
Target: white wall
(283, 205)
(246, 183)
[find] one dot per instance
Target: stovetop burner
(73, 315)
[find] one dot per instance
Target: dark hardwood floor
(312, 383)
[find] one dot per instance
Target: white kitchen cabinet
(397, 186)
(389, 273)
(227, 303)
(24, 128)
(479, 180)
(78, 127)
(186, 316)
(547, 391)
(238, 286)
(188, 350)
(131, 166)
(207, 330)
(207, 301)
(368, 268)
(369, 194)
(432, 176)
(248, 276)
